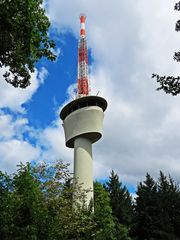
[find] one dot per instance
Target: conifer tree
(146, 208)
(120, 199)
(157, 209)
(168, 218)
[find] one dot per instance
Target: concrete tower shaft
(83, 122)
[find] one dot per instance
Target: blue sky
(61, 74)
(128, 41)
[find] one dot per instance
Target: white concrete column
(83, 165)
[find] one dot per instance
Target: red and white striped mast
(83, 75)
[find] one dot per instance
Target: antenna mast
(83, 78)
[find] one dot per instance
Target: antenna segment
(83, 78)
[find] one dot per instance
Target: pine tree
(120, 199)
(146, 208)
(157, 209)
(169, 207)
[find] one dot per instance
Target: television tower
(83, 120)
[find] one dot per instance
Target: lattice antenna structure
(83, 72)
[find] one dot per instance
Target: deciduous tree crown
(24, 39)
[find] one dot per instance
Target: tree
(5, 189)
(168, 223)
(120, 200)
(105, 225)
(146, 208)
(170, 84)
(157, 209)
(26, 207)
(65, 221)
(122, 232)
(24, 39)
(37, 204)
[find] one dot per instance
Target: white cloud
(10, 128)
(6, 128)
(52, 140)
(14, 147)
(13, 151)
(13, 98)
(42, 75)
(130, 40)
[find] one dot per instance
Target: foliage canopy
(170, 84)
(37, 203)
(24, 39)
(157, 209)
